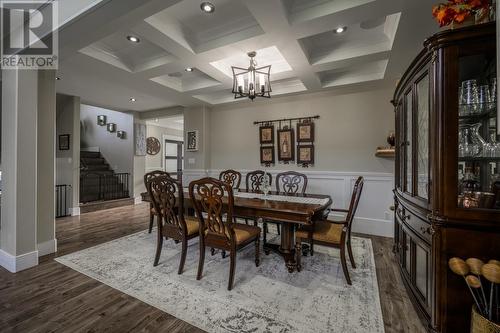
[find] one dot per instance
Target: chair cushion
(193, 225)
(245, 232)
(324, 231)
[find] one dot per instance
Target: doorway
(174, 159)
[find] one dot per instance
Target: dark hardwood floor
(54, 298)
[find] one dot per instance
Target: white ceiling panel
(295, 37)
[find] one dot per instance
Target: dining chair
(291, 182)
(232, 177)
(288, 182)
(333, 233)
(255, 180)
(214, 204)
(147, 177)
(168, 200)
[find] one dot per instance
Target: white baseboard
(384, 228)
(75, 211)
(47, 247)
(18, 263)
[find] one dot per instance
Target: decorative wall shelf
(384, 152)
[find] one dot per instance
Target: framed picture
(140, 139)
(305, 154)
(192, 140)
(64, 142)
(286, 145)
(266, 134)
(305, 132)
(267, 155)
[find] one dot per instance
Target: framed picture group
(287, 150)
(266, 140)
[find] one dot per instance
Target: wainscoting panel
(373, 217)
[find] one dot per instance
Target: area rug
(264, 299)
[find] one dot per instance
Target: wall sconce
(101, 120)
(111, 127)
(121, 134)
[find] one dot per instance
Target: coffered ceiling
(296, 37)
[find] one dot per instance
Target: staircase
(98, 182)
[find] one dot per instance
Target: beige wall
(350, 128)
(154, 162)
(198, 118)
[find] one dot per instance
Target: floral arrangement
(457, 11)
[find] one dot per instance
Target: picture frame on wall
(305, 132)
(64, 142)
(266, 135)
(305, 154)
(267, 155)
(140, 139)
(192, 140)
(286, 145)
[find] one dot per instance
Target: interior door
(174, 159)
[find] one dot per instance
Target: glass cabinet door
(478, 133)
(408, 158)
(422, 136)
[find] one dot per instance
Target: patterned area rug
(264, 299)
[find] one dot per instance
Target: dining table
(289, 210)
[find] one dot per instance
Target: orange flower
(461, 16)
(457, 10)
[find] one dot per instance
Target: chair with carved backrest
(168, 200)
(232, 177)
(288, 183)
(291, 182)
(214, 203)
(254, 181)
(147, 177)
(334, 233)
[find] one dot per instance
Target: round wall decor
(153, 145)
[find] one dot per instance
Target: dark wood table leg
(287, 247)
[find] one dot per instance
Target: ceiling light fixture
(58, 78)
(207, 7)
(252, 81)
(189, 69)
(340, 30)
(132, 99)
(133, 39)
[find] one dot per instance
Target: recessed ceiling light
(133, 39)
(340, 30)
(189, 69)
(157, 120)
(207, 7)
(132, 99)
(58, 78)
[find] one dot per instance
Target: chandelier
(252, 81)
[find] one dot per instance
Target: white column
(46, 240)
(18, 239)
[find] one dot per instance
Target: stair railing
(103, 187)
(63, 193)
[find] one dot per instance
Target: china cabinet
(447, 195)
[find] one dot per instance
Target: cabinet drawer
(419, 226)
